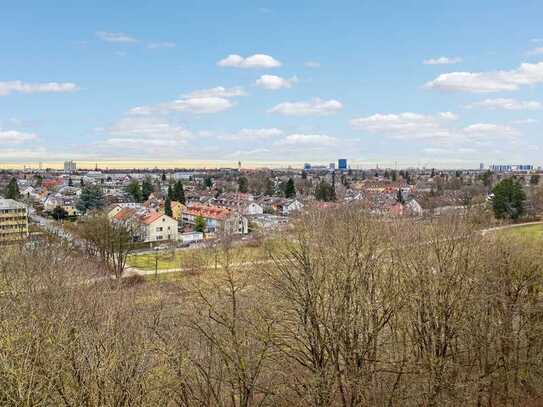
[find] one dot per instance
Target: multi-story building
(342, 164)
(148, 225)
(13, 221)
(70, 166)
(217, 219)
(511, 168)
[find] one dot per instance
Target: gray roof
(10, 204)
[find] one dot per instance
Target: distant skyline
(421, 83)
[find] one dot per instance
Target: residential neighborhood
(187, 206)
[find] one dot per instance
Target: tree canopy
(290, 190)
(508, 201)
(91, 198)
(325, 192)
(134, 190)
(200, 224)
(178, 192)
(12, 190)
(147, 188)
(243, 184)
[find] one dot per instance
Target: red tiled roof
(150, 217)
(211, 212)
(146, 217)
(124, 214)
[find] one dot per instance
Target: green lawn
(532, 232)
(186, 258)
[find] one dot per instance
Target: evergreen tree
(290, 190)
(304, 174)
(487, 178)
(178, 192)
(208, 182)
(508, 200)
(243, 185)
(59, 213)
(81, 182)
(168, 206)
(534, 179)
(163, 176)
(12, 190)
(325, 192)
(394, 176)
(91, 198)
(147, 188)
(70, 182)
(38, 179)
(134, 190)
(269, 187)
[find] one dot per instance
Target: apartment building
(217, 219)
(13, 221)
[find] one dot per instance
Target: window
(159, 229)
(159, 237)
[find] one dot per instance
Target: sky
(399, 83)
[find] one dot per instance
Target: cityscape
(271, 204)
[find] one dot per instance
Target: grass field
(187, 258)
(532, 232)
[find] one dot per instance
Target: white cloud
(312, 64)
(272, 82)
(309, 140)
(15, 137)
(442, 61)
(249, 153)
(489, 129)
(314, 107)
(436, 129)
(47, 87)
(202, 101)
(166, 44)
(144, 133)
(507, 104)
(23, 154)
(254, 61)
(199, 105)
(253, 134)
(218, 91)
(496, 81)
(449, 115)
(115, 37)
(402, 125)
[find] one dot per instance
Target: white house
(290, 206)
(151, 225)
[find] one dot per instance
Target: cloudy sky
(429, 83)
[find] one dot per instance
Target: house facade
(13, 221)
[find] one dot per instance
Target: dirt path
(516, 225)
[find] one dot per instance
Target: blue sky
(435, 83)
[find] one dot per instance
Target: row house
(240, 202)
(281, 206)
(217, 219)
